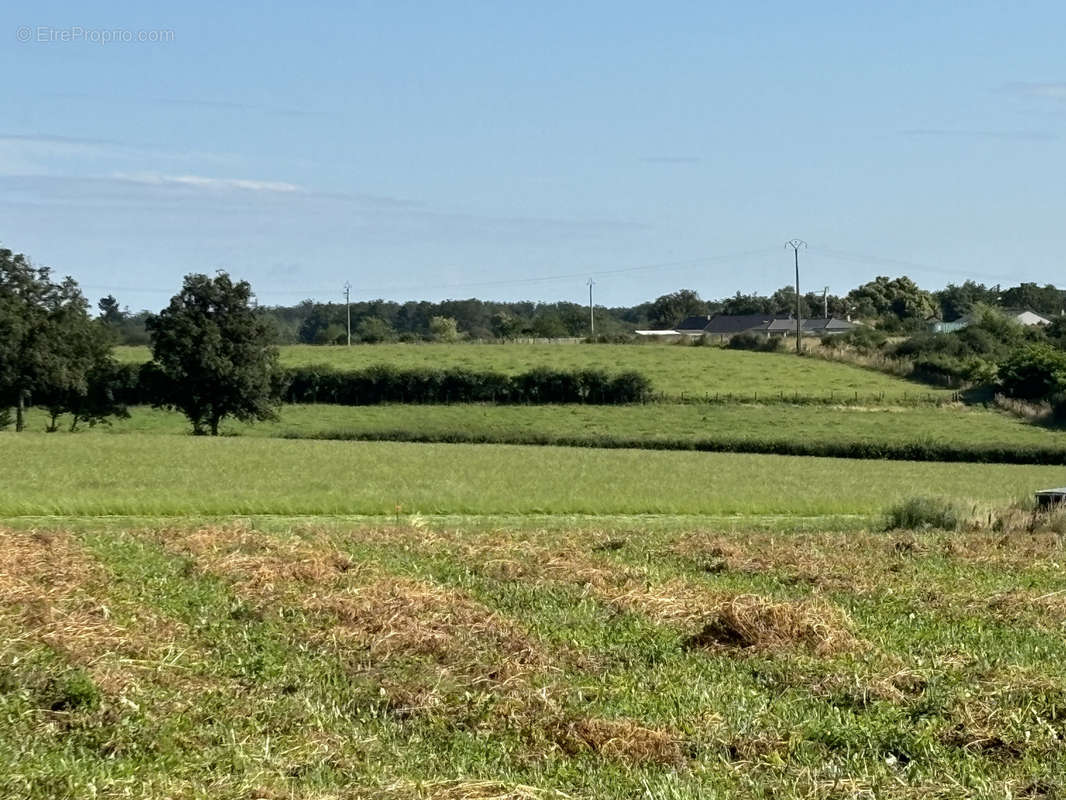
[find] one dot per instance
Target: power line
(912, 265)
(478, 284)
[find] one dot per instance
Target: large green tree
(669, 310)
(215, 354)
(894, 302)
(50, 348)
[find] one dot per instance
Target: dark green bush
(386, 384)
(753, 341)
(861, 338)
(1035, 372)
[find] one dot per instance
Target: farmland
(674, 370)
(388, 661)
(649, 424)
(180, 476)
(275, 614)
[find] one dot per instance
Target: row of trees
(896, 305)
(213, 353)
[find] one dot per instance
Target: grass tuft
(926, 513)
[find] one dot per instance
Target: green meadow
(674, 370)
(276, 614)
(952, 424)
(136, 474)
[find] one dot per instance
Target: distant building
(1027, 318)
(723, 326)
(1030, 318)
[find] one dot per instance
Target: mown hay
(54, 592)
(625, 587)
(621, 740)
(358, 608)
(403, 615)
(753, 622)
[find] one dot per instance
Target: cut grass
(148, 475)
(943, 699)
(673, 370)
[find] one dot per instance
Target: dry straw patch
(358, 605)
(379, 617)
(621, 740)
(54, 593)
(624, 587)
(753, 622)
(395, 615)
(832, 562)
(459, 790)
(258, 563)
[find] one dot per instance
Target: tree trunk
(20, 423)
(214, 426)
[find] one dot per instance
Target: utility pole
(592, 311)
(796, 244)
(348, 309)
(825, 302)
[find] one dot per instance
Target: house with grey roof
(723, 326)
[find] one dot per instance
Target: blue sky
(512, 150)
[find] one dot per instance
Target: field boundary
(905, 451)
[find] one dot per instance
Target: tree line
(214, 351)
(214, 356)
(895, 305)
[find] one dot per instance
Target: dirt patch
(621, 740)
(753, 622)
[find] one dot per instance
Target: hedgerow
(132, 385)
(888, 451)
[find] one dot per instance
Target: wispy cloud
(957, 133)
(201, 181)
(671, 159)
(236, 206)
(198, 102)
(45, 150)
(1053, 90)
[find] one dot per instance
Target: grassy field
(673, 370)
(657, 422)
(388, 662)
(153, 475)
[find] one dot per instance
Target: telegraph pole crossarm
(796, 244)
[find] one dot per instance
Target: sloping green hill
(674, 370)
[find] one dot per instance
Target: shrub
(384, 383)
(925, 513)
(6, 419)
(863, 339)
(752, 341)
(1034, 372)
